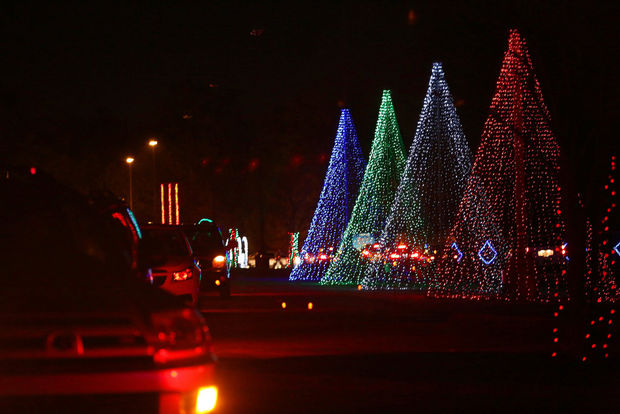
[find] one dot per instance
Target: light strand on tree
(428, 196)
(512, 199)
(340, 189)
(381, 178)
(293, 250)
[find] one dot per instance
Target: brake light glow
(182, 275)
(401, 246)
(206, 399)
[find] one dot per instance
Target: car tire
(225, 290)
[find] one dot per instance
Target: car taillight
(182, 275)
(180, 334)
(219, 261)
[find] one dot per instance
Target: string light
(162, 194)
(176, 203)
(512, 198)
(381, 178)
(340, 189)
(293, 250)
(427, 198)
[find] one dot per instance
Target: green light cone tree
(428, 196)
(381, 178)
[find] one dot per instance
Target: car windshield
(165, 242)
(204, 240)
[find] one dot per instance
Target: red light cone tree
(514, 187)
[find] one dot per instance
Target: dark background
(244, 98)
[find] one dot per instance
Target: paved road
(372, 352)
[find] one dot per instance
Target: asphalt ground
(383, 352)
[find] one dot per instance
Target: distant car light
(206, 399)
(182, 275)
(217, 282)
(219, 261)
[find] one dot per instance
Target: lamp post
(129, 161)
(153, 143)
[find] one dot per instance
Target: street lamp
(153, 143)
(129, 161)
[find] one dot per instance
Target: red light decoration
(169, 201)
(512, 197)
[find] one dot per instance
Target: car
(205, 238)
(166, 250)
(81, 328)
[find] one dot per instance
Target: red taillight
(415, 255)
(365, 253)
(182, 275)
(401, 246)
(395, 256)
(323, 256)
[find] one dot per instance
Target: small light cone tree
(514, 189)
(428, 196)
(381, 178)
(340, 189)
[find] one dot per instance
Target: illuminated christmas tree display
(340, 189)
(385, 167)
(603, 251)
(508, 237)
(428, 196)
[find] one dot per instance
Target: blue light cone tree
(428, 196)
(516, 175)
(385, 166)
(340, 188)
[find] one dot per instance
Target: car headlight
(182, 275)
(180, 334)
(219, 261)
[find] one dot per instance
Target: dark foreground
(369, 352)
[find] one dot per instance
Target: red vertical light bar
(176, 201)
(163, 205)
(169, 203)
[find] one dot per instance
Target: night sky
(245, 98)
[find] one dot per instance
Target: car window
(49, 234)
(205, 240)
(162, 242)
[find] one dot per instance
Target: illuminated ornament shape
(340, 189)
(428, 195)
(512, 197)
(459, 254)
(381, 178)
(485, 251)
(617, 248)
